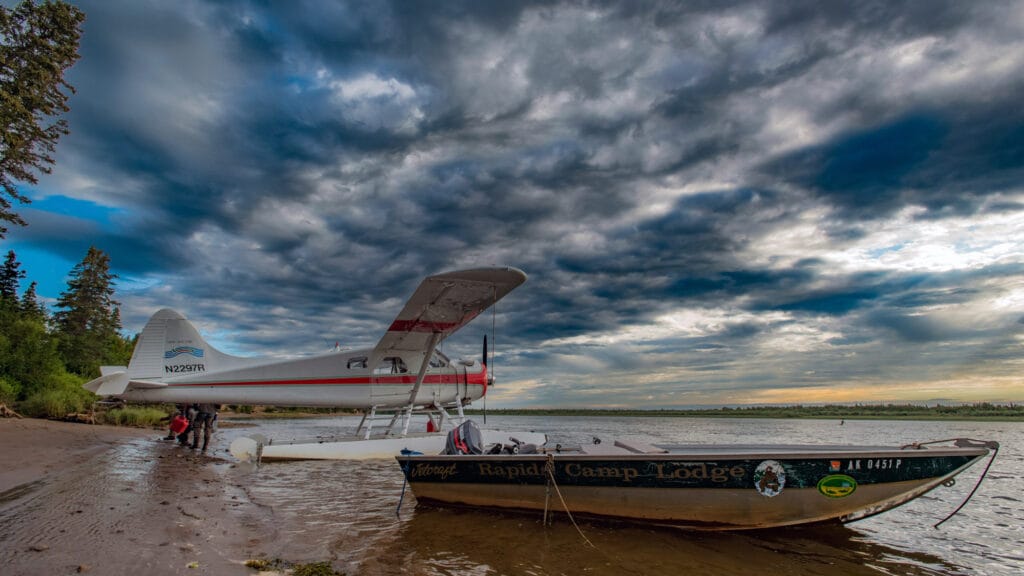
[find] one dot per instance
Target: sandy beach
(79, 498)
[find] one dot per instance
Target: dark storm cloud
(711, 189)
(949, 162)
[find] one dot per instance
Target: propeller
(490, 375)
(490, 378)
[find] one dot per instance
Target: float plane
(404, 373)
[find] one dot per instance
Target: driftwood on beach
(81, 417)
(6, 412)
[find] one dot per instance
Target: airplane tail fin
(171, 346)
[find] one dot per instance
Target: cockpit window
(391, 365)
(356, 362)
(438, 360)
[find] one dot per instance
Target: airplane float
(403, 374)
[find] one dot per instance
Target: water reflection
(455, 541)
(332, 509)
(132, 462)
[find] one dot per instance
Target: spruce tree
(88, 317)
(31, 307)
(38, 42)
(10, 274)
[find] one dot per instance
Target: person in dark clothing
(204, 424)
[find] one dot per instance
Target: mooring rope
(547, 495)
(995, 450)
(405, 482)
(963, 443)
(401, 498)
(549, 467)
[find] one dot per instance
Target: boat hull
(699, 490)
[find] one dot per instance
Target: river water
(345, 512)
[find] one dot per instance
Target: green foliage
(38, 42)
(9, 390)
(61, 396)
(119, 350)
(143, 417)
(10, 275)
(33, 367)
(28, 353)
(89, 321)
(31, 307)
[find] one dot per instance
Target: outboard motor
(465, 439)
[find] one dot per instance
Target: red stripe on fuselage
(447, 379)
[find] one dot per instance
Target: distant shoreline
(973, 412)
(986, 412)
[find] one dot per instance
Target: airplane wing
(442, 304)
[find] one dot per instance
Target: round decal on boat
(770, 478)
(837, 486)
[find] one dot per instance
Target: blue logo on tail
(179, 350)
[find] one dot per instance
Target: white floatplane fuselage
(336, 379)
(173, 363)
(405, 372)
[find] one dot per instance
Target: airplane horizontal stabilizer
(111, 383)
(115, 381)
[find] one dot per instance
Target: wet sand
(79, 498)
(32, 450)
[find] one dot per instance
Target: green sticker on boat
(837, 486)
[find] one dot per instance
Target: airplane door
(389, 385)
(438, 389)
(447, 387)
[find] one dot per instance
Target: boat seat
(640, 447)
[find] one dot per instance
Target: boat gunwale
(822, 452)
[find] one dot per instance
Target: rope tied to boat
(961, 443)
(401, 498)
(549, 467)
(405, 479)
